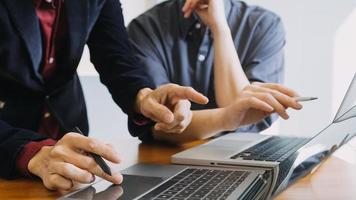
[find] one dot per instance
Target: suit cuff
(28, 152)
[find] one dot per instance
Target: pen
(98, 159)
(302, 99)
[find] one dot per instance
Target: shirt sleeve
(265, 55)
(265, 58)
(28, 152)
(148, 48)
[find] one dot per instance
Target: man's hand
(211, 12)
(168, 105)
(258, 101)
(182, 118)
(66, 165)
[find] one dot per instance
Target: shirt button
(47, 115)
(198, 25)
(201, 57)
(2, 104)
(51, 60)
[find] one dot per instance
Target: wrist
(226, 120)
(38, 162)
(220, 29)
(222, 119)
(141, 95)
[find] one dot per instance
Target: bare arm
(254, 104)
(230, 78)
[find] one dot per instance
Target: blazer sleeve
(119, 69)
(113, 58)
(12, 142)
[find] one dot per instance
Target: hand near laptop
(169, 106)
(256, 102)
(66, 165)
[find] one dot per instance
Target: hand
(182, 118)
(159, 104)
(257, 101)
(211, 12)
(65, 166)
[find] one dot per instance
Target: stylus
(98, 159)
(302, 99)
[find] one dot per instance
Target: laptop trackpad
(132, 187)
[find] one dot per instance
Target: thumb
(160, 113)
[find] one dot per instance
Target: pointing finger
(187, 93)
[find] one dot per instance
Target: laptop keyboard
(196, 183)
(273, 149)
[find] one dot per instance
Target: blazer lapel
(77, 18)
(24, 16)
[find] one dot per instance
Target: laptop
(282, 155)
(177, 182)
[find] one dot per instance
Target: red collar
(39, 2)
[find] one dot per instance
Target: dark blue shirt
(174, 49)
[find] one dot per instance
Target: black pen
(98, 159)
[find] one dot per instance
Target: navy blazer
(97, 23)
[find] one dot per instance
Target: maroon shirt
(53, 31)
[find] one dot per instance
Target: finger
(165, 127)
(92, 145)
(182, 110)
(279, 88)
(87, 163)
(58, 182)
(255, 103)
(186, 5)
(187, 93)
(72, 172)
(178, 128)
(115, 178)
(268, 98)
(160, 113)
(286, 100)
(181, 113)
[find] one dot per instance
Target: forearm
(229, 77)
(204, 124)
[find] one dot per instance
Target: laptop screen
(321, 145)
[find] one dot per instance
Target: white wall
(320, 52)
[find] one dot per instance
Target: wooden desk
(334, 179)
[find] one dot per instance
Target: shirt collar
(54, 3)
(186, 24)
(37, 3)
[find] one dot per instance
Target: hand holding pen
(70, 162)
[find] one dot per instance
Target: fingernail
(118, 178)
(299, 106)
